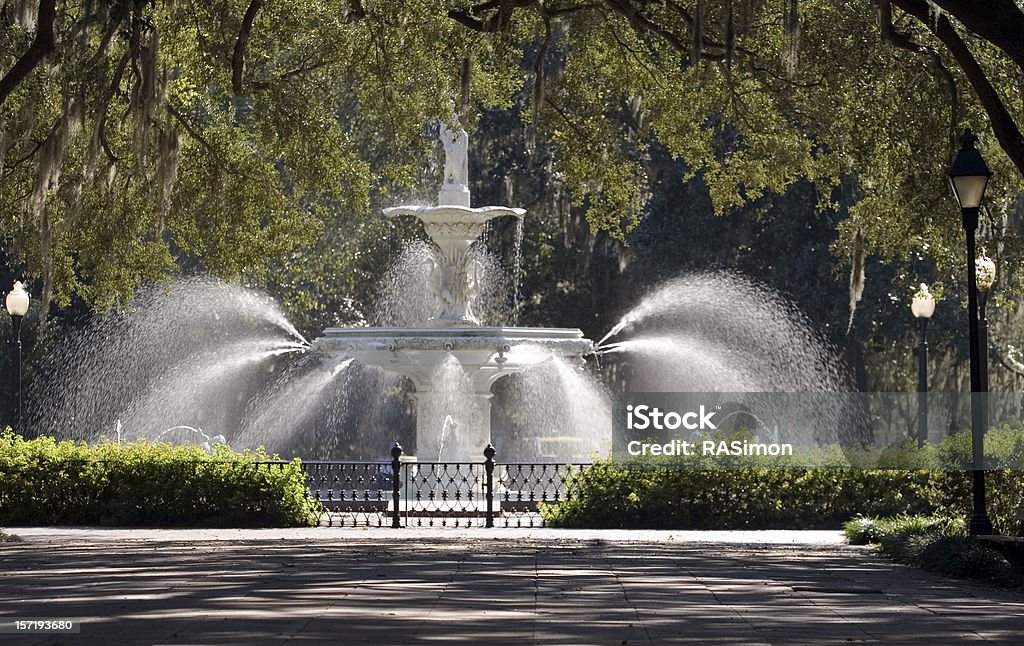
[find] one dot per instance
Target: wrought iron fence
(352, 493)
(439, 494)
(522, 487)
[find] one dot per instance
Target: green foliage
(45, 482)
(949, 493)
(865, 530)
(139, 149)
(938, 543)
(949, 489)
(756, 493)
(608, 495)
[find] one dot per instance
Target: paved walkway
(382, 586)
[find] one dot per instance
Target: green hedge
(45, 482)
(618, 495)
(611, 496)
(949, 490)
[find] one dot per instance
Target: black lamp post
(17, 307)
(923, 306)
(969, 177)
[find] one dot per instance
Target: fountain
(452, 358)
(204, 354)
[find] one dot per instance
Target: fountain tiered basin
(452, 360)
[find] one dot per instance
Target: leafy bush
(772, 493)
(936, 543)
(45, 482)
(864, 530)
(949, 489)
(609, 495)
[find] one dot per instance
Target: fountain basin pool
(452, 365)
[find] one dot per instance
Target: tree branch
(356, 11)
(565, 11)
(640, 22)
(498, 21)
(890, 34)
(298, 71)
(101, 122)
(538, 78)
(238, 57)
(1003, 125)
(42, 45)
(902, 40)
(192, 132)
(1000, 22)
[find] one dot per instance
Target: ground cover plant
(45, 482)
(937, 543)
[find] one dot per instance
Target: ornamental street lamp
(968, 178)
(17, 306)
(922, 307)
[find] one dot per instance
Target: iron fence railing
(352, 493)
(439, 494)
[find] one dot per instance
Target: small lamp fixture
(969, 174)
(923, 305)
(985, 273)
(17, 300)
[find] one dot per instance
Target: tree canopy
(141, 137)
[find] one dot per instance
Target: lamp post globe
(985, 273)
(17, 302)
(922, 306)
(968, 177)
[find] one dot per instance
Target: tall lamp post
(968, 178)
(922, 307)
(17, 307)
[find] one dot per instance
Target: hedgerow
(46, 482)
(759, 493)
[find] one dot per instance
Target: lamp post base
(980, 525)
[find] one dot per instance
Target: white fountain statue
(422, 354)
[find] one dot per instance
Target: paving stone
(503, 586)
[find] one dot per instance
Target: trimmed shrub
(607, 495)
(45, 482)
(949, 489)
(774, 494)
